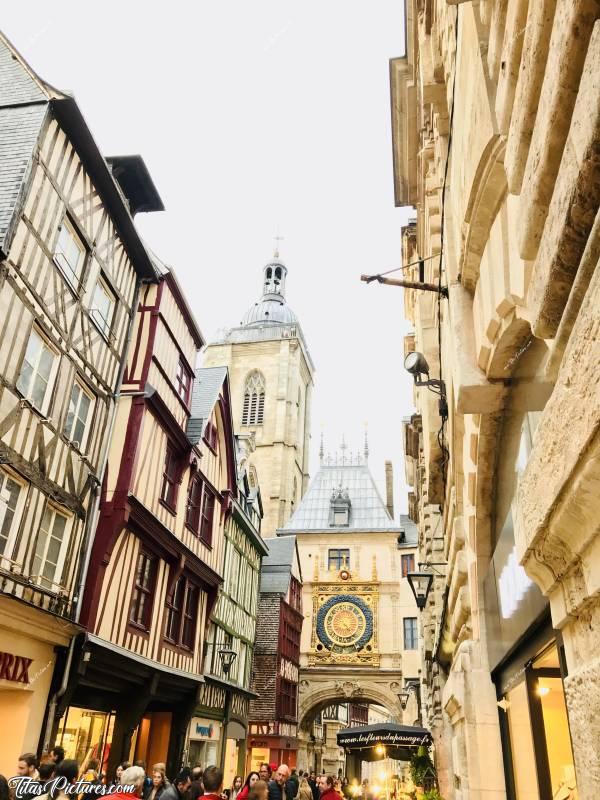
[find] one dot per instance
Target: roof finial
(277, 239)
(343, 448)
(366, 451)
(321, 450)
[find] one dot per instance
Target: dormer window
(340, 505)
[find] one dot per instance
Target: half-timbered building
(157, 557)
(273, 727)
(219, 728)
(71, 265)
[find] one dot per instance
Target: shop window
(84, 734)
(338, 559)
(102, 308)
(50, 549)
(407, 562)
(143, 590)
(183, 381)
(76, 423)
(411, 636)
(69, 253)
(182, 611)
(12, 496)
(208, 510)
(38, 371)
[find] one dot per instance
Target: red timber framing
(162, 646)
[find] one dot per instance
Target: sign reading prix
(391, 738)
(14, 668)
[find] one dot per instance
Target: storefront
(204, 739)
(281, 749)
(30, 641)
(525, 653)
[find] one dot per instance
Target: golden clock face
(345, 624)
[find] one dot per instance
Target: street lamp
(420, 584)
(227, 658)
(403, 697)
(417, 365)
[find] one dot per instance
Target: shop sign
(204, 729)
(14, 668)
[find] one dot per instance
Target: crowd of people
(190, 783)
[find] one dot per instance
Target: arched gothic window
(254, 399)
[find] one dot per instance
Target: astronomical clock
(345, 621)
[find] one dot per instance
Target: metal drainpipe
(57, 695)
(93, 517)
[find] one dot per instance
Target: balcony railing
(28, 589)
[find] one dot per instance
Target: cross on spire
(277, 239)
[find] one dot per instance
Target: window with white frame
(37, 371)
(69, 253)
(102, 308)
(11, 494)
(50, 548)
(78, 415)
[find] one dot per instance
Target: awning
(385, 740)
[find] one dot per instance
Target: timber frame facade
(225, 697)
(157, 557)
(71, 266)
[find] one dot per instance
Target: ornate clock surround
(345, 621)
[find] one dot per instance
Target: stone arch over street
(315, 695)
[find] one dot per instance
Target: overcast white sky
(253, 116)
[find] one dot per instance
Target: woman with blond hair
(304, 790)
(159, 783)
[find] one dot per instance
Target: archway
(321, 693)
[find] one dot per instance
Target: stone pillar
(469, 700)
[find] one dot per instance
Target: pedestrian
(178, 789)
(259, 791)
(197, 787)
(68, 769)
(120, 769)
(212, 778)
(304, 790)
(158, 785)
(57, 754)
(279, 786)
(265, 772)
(327, 788)
(46, 770)
(314, 786)
(250, 781)
(236, 787)
(147, 778)
(132, 778)
(294, 783)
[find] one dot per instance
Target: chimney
(389, 488)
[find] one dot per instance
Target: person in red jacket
(327, 788)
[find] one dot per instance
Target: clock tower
(359, 634)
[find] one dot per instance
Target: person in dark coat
(280, 787)
(314, 786)
(178, 789)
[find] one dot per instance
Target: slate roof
(17, 85)
(205, 392)
(19, 130)
(367, 511)
(277, 566)
(411, 532)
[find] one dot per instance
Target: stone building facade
(496, 136)
(271, 375)
(360, 640)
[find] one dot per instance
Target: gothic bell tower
(271, 375)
